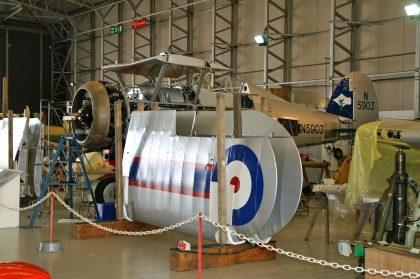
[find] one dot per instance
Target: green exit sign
(115, 29)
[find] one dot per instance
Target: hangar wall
(28, 69)
(394, 38)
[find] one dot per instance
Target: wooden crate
(392, 258)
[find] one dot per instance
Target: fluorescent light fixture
(412, 9)
(259, 39)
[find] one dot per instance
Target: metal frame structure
(110, 44)
(181, 27)
(142, 39)
(84, 54)
(74, 51)
(61, 49)
(224, 36)
(342, 39)
(277, 28)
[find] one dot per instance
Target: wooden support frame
(118, 160)
(219, 255)
(10, 138)
(5, 99)
(237, 115)
(323, 206)
(154, 106)
(27, 114)
(140, 106)
(221, 166)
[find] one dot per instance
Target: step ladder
(67, 147)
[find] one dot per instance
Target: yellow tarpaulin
(374, 162)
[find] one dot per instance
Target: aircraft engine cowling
(94, 109)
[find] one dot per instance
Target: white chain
(371, 271)
(346, 267)
(26, 207)
(114, 231)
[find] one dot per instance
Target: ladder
(67, 143)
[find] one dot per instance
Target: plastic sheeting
(373, 163)
(18, 140)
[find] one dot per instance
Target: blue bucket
(106, 211)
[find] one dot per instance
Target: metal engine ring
(93, 105)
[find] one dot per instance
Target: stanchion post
(200, 246)
(118, 159)
(51, 216)
(221, 165)
(50, 245)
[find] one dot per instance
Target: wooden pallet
(86, 231)
(394, 257)
(219, 255)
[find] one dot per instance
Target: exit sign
(139, 23)
(115, 29)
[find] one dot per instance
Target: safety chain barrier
(371, 271)
(334, 265)
(32, 206)
(114, 231)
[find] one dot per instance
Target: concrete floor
(148, 257)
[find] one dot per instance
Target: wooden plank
(219, 255)
(140, 106)
(281, 93)
(10, 138)
(264, 105)
(5, 99)
(27, 114)
(237, 115)
(86, 231)
(155, 106)
(119, 180)
(392, 258)
(221, 166)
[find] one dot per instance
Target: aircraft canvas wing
(402, 133)
(178, 66)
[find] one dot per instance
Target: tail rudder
(355, 98)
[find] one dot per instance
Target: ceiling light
(412, 9)
(261, 39)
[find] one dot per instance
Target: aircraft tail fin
(355, 98)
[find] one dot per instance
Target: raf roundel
(245, 178)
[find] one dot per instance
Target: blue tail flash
(341, 102)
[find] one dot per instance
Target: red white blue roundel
(245, 176)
